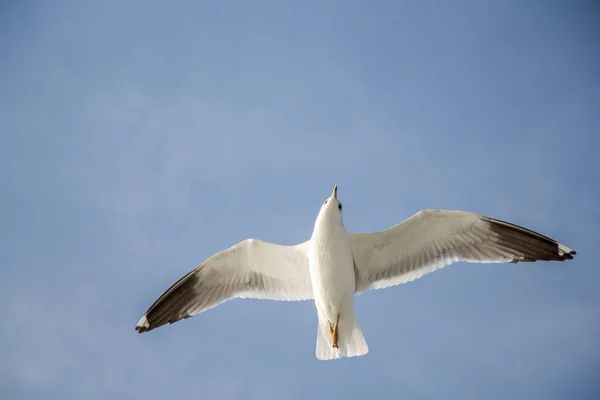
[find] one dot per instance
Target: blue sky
(139, 138)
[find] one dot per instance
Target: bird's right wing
(432, 239)
(250, 269)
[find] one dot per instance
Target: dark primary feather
(531, 245)
(172, 305)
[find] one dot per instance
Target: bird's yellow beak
(334, 194)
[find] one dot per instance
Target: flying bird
(334, 265)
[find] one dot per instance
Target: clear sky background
(138, 138)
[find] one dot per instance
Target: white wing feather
(432, 239)
(250, 269)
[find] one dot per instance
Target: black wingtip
(567, 253)
(570, 255)
(529, 246)
(143, 325)
(142, 329)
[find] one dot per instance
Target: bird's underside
(419, 245)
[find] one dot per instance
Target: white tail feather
(351, 341)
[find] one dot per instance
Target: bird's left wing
(250, 269)
(432, 239)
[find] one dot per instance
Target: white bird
(334, 265)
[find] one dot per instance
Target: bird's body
(334, 265)
(331, 269)
(331, 265)
(333, 280)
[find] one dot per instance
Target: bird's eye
(340, 206)
(326, 201)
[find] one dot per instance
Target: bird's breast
(331, 270)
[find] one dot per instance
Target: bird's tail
(351, 341)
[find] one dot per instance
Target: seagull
(334, 265)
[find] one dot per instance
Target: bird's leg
(333, 331)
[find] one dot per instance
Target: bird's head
(331, 210)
